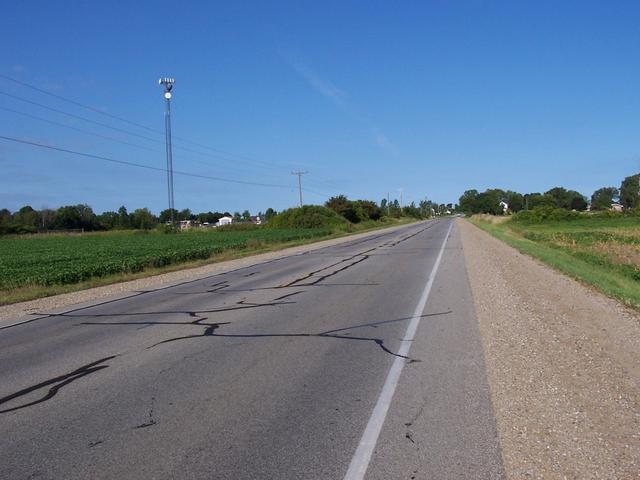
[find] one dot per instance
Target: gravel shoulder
(563, 363)
(22, 310)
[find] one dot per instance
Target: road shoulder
(563, 363)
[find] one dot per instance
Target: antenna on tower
(168, 86)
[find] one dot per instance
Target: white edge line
(362, 457)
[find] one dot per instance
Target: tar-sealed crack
(55, 384)
(357, 258)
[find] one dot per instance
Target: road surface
(322, 365)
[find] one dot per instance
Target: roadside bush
(308, 216)
(544, 214)
(369, 209)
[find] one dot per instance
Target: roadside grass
(40, 266)
(598, 251)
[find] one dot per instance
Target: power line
(79, 117)
(98, 135)
(139, 165)
(136, 124)
(322, 195)
(86, 132)
(78, 104)
(247, 160)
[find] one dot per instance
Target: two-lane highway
(280, 370)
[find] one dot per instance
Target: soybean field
(47, 260)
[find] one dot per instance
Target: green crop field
(603, 251)
(47, 260)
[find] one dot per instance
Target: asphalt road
(271, 371)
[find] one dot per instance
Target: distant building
(505, 206)
(616, 207)
(187, 224)
(224, 221)
(255, 220)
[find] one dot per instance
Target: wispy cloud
(321, 85)
(383, 141)
(339, 97)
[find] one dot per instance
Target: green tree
(515, 200)
(109, 220)
(489, 201)
(469, 201)
(394, 209)
(208, 217)
(87, 217)
(46, 217)
(185, 215)
(143, 219)
(26, 217)
(412, 211)
(123, 218)
(425, 208)
(343, 206)
(369, 210)
(533, 200)
(5, 221)
(75, 217)
(269, 214)
(246, 216)
(630, 191)
(165, 215)
(579, 203)
(568, 199)
(603, 198)
(560, 197)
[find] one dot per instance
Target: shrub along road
(295, 367)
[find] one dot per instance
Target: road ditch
(563, 363)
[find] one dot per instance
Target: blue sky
(432, 97)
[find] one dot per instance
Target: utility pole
(299, 174)
(401, 190)
(168, 86)
(388, 204)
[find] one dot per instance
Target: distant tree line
(357, 211)
(492, 200)
(81, 217)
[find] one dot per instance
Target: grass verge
(598, 271)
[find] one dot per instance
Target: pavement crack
(287, 295)
(57, 382)
(297, 282)
(208, 332)
(216, 287)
